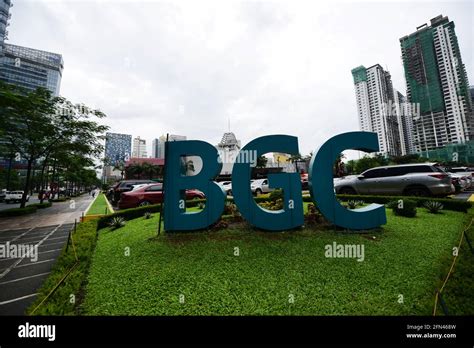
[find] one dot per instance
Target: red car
(150, 194)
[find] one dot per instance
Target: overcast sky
(186, 68)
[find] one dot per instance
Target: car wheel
(144, 204)
(347, 191)
(258, 192)
(229, 193)
(418, 192)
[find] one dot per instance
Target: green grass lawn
(99, 206)
(408, 258)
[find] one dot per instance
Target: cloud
(186, 67)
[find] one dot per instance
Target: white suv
(259, 186)
(15, 196)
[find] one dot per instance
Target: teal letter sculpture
(322, 189)
(176, 183)
(291, 215)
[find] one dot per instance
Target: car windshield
(135, 187)
(440, 169)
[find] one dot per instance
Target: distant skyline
(186, 67)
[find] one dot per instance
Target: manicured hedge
(42, 205)
(29, 209)
(62, 199)
(128, 214)
(449, 204)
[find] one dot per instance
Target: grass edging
(459, 289)
(59, 302)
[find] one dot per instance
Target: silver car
(259, 186)
(420, 179)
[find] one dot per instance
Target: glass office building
(31, 68)
(117, 148)
(4, 17)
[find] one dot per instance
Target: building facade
(158, 145)
(228, 149)
(404, 112)
(117, 148)
(4, 17)
(139, 148)
(437, 82)
(375, 98)
(31, 68)
(157, 149)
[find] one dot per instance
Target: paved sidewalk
(59, 213)
(48, 229)
(21, 277)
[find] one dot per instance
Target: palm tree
(120, 166)
(135, 170)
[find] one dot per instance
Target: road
(47, 230)
(4, 205)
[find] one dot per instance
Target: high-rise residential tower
(139, 148)
(437, 82)
(404, 112)
(374, 97)
(158, 145)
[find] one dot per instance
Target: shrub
(62, 199)
(42, 205)
(352, 204)
(448, 204)
(433, 207)
(147, 215)
(117, 222)
(29, 209)
(403, 207)
(128, 214)
(201, 205)
(313, 216)
(276, 195)
(273, 205)
(230, 209)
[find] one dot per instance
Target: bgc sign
(291, 216)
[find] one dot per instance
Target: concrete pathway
(46, 232)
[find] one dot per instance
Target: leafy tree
(261, 161)
(134, 170)
(368, 162)
(412, 158)
(35, 124)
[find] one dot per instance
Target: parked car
(226, 187)
(150, 194)
(460, 182)
(464, 174)
(3, 193)
(420, 179)
(259, 186)
(124, 186)
(15, 197)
